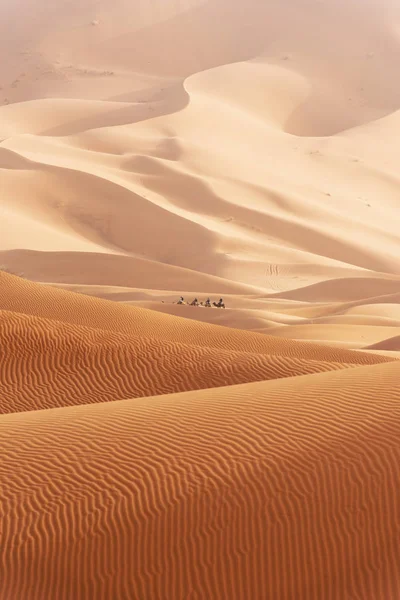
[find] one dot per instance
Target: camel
(219, 304)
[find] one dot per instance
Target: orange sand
(282, 489)
(154, 497)
(249, 150)
(49, 364)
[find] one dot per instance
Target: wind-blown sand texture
(190, 494)
(270, 490)
(204, 148)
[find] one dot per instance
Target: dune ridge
(26, 297)
(49, 364)
(175, 145)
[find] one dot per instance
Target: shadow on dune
(113, 270)
(344, 289)
(173, 99)
(391, 344)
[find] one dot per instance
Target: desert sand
(203, 148)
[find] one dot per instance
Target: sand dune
(344, 289)
(171, 142)
(100, 269)
(50, 364)
(204, 148)
(29, 298)
(195, 491)
(392, 343)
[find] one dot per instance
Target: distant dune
(20, 296)
(250, 158)
(207, 149)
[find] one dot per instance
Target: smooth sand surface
(203, 148)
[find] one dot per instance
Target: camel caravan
(206, 304)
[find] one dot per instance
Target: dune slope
(190, 495)
(256, 155)
(30, 298)
(48, 364)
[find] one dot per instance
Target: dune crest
(51, 364)
(18, 295)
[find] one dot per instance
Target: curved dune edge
(257, 313)
(103, 268)
(344, 289)
(391, 344)
(250, 155)
(196, 492)
(50, 364)
(26, 297)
